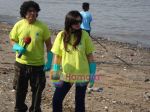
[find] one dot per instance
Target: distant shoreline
(95, 38)
(116, 20)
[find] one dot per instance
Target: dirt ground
(124, 84)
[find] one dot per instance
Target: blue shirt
(87, 18)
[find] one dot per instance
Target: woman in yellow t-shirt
(73, 51)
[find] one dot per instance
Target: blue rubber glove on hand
(56, 76)
(56, 73)
(92, 67)
(56, 67)
(18, 48)
(47, 66)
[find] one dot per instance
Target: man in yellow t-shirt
(28, 37)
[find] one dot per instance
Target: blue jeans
(61, 92)
(36, 76)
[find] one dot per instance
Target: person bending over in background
(87, 17)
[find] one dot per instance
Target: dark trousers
(61, 92)
(36, 76)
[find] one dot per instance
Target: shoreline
(105, 39)
(96, 38)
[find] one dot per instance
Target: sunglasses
(76, 22)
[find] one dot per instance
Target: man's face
(31, 15)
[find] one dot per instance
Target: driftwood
(104, 47)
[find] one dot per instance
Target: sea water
(121, 20)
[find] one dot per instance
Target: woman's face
(31, 15)
(76, 24)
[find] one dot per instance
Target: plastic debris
(147, 96)
(13, 90)
(124, 68)
(94, 90)
(114, 101)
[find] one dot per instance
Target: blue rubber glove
(47, 66)
(56, 73)
(92, 67)
(56, 76)
(56, 67)
(18, 48)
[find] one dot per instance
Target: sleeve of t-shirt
(46, 33)
(89, 46)
(57, 43)
(13, 35)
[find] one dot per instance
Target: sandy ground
(124, 83)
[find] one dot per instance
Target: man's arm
(17, 47)
(48, 45)
(12, 42)
(47, 66)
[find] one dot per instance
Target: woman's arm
(92, 68)
(57, 59)
(90, 57)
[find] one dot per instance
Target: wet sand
(124, 83)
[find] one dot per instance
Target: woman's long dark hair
(71, 17)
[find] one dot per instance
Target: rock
(114, 101)
(147, 96)
(132, 54)
(13, 90)
(147, 80)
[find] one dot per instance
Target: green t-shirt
(39, 33)
(74, 63)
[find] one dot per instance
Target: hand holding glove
(47, 66)
(18, 48)
(92, 66)
(56, 76)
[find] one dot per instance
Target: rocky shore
(124, 84)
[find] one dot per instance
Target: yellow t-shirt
(39, 33)
(74, 63)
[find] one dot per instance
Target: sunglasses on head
(76, 22)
